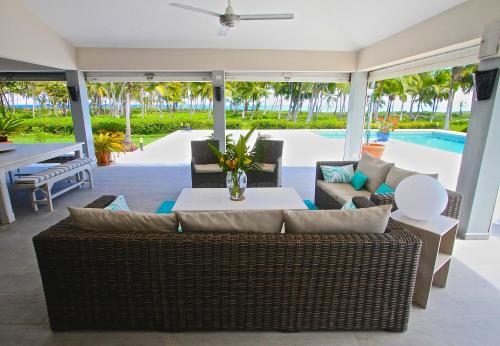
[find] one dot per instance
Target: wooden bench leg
(34, 204)
(48, 194)
(91, 180)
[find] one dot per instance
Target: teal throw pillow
(384, 188)
(358, 180)
(119, 204)
(337, 174)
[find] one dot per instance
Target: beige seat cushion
(257, 221)
(396, 175)
(342, 192)
(92, 219)
(375, 169)
(207, 168)
(268, 167)
(365, 220)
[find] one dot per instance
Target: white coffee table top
(268, 198)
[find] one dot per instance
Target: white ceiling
(342, 25)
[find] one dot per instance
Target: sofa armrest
(362, 202)
(319, 173)
(452, 208)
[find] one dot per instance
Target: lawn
(51, 138)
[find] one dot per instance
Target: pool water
(439, 140)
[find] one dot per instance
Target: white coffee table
(268, 198)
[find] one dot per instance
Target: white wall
(458, 27)
(136, 59)
(25, 38)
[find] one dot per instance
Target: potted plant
(385, 127)
(106, 143)
(236, 161)
(9, 125)
(374, 149)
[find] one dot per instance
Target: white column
(218, 84)
(479, 176)
(80, 110)
(355, 116)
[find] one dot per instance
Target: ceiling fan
(230, 19)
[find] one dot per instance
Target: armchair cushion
(342, 192)
(268, 167)
(375, 169)
(207, 168)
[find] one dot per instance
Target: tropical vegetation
(158, 108)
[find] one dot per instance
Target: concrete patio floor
(303, 148)
(466, 312)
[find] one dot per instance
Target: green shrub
(157, 125)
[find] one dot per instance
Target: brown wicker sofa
(327, 199)
(226, 281)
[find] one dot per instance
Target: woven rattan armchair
(226, 281)
(202, 155)
(324, 201)
(272, 151)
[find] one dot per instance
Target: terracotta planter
(5, 140)
(374, 149)
(103, 159)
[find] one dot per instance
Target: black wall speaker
(73, 93)
(484, 82)
(218, 94)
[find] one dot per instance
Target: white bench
(44, 180)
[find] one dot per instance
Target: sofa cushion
(92, 219)
(396, 175)
(358, 180)
(337, 174)
(342, 192)
(268, 167)
(375, 169)
(249, 221)
(365, 220)
(207, 168)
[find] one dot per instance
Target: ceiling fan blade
(266, 16)
(195, 9)
(223, 30)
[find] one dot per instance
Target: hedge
(162, 126)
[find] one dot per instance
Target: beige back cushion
(396, 175)
(268, 221)
(375, 169)
(365, 220)
(91, 219)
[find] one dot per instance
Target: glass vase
(236, 184)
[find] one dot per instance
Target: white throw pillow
(337, 174)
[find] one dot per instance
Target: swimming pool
(435, 139)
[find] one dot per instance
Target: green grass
(51, 138)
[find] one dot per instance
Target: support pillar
(218, 84)
(479, 176)
(80, 111)
(355, 116)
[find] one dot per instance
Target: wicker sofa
(325, 196)
(226, 281)
(206, 173)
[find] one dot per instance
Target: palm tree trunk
(449, 106)
(128, 129)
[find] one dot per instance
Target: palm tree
(409, 84)
(440, 89)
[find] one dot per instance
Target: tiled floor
(466, 312)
